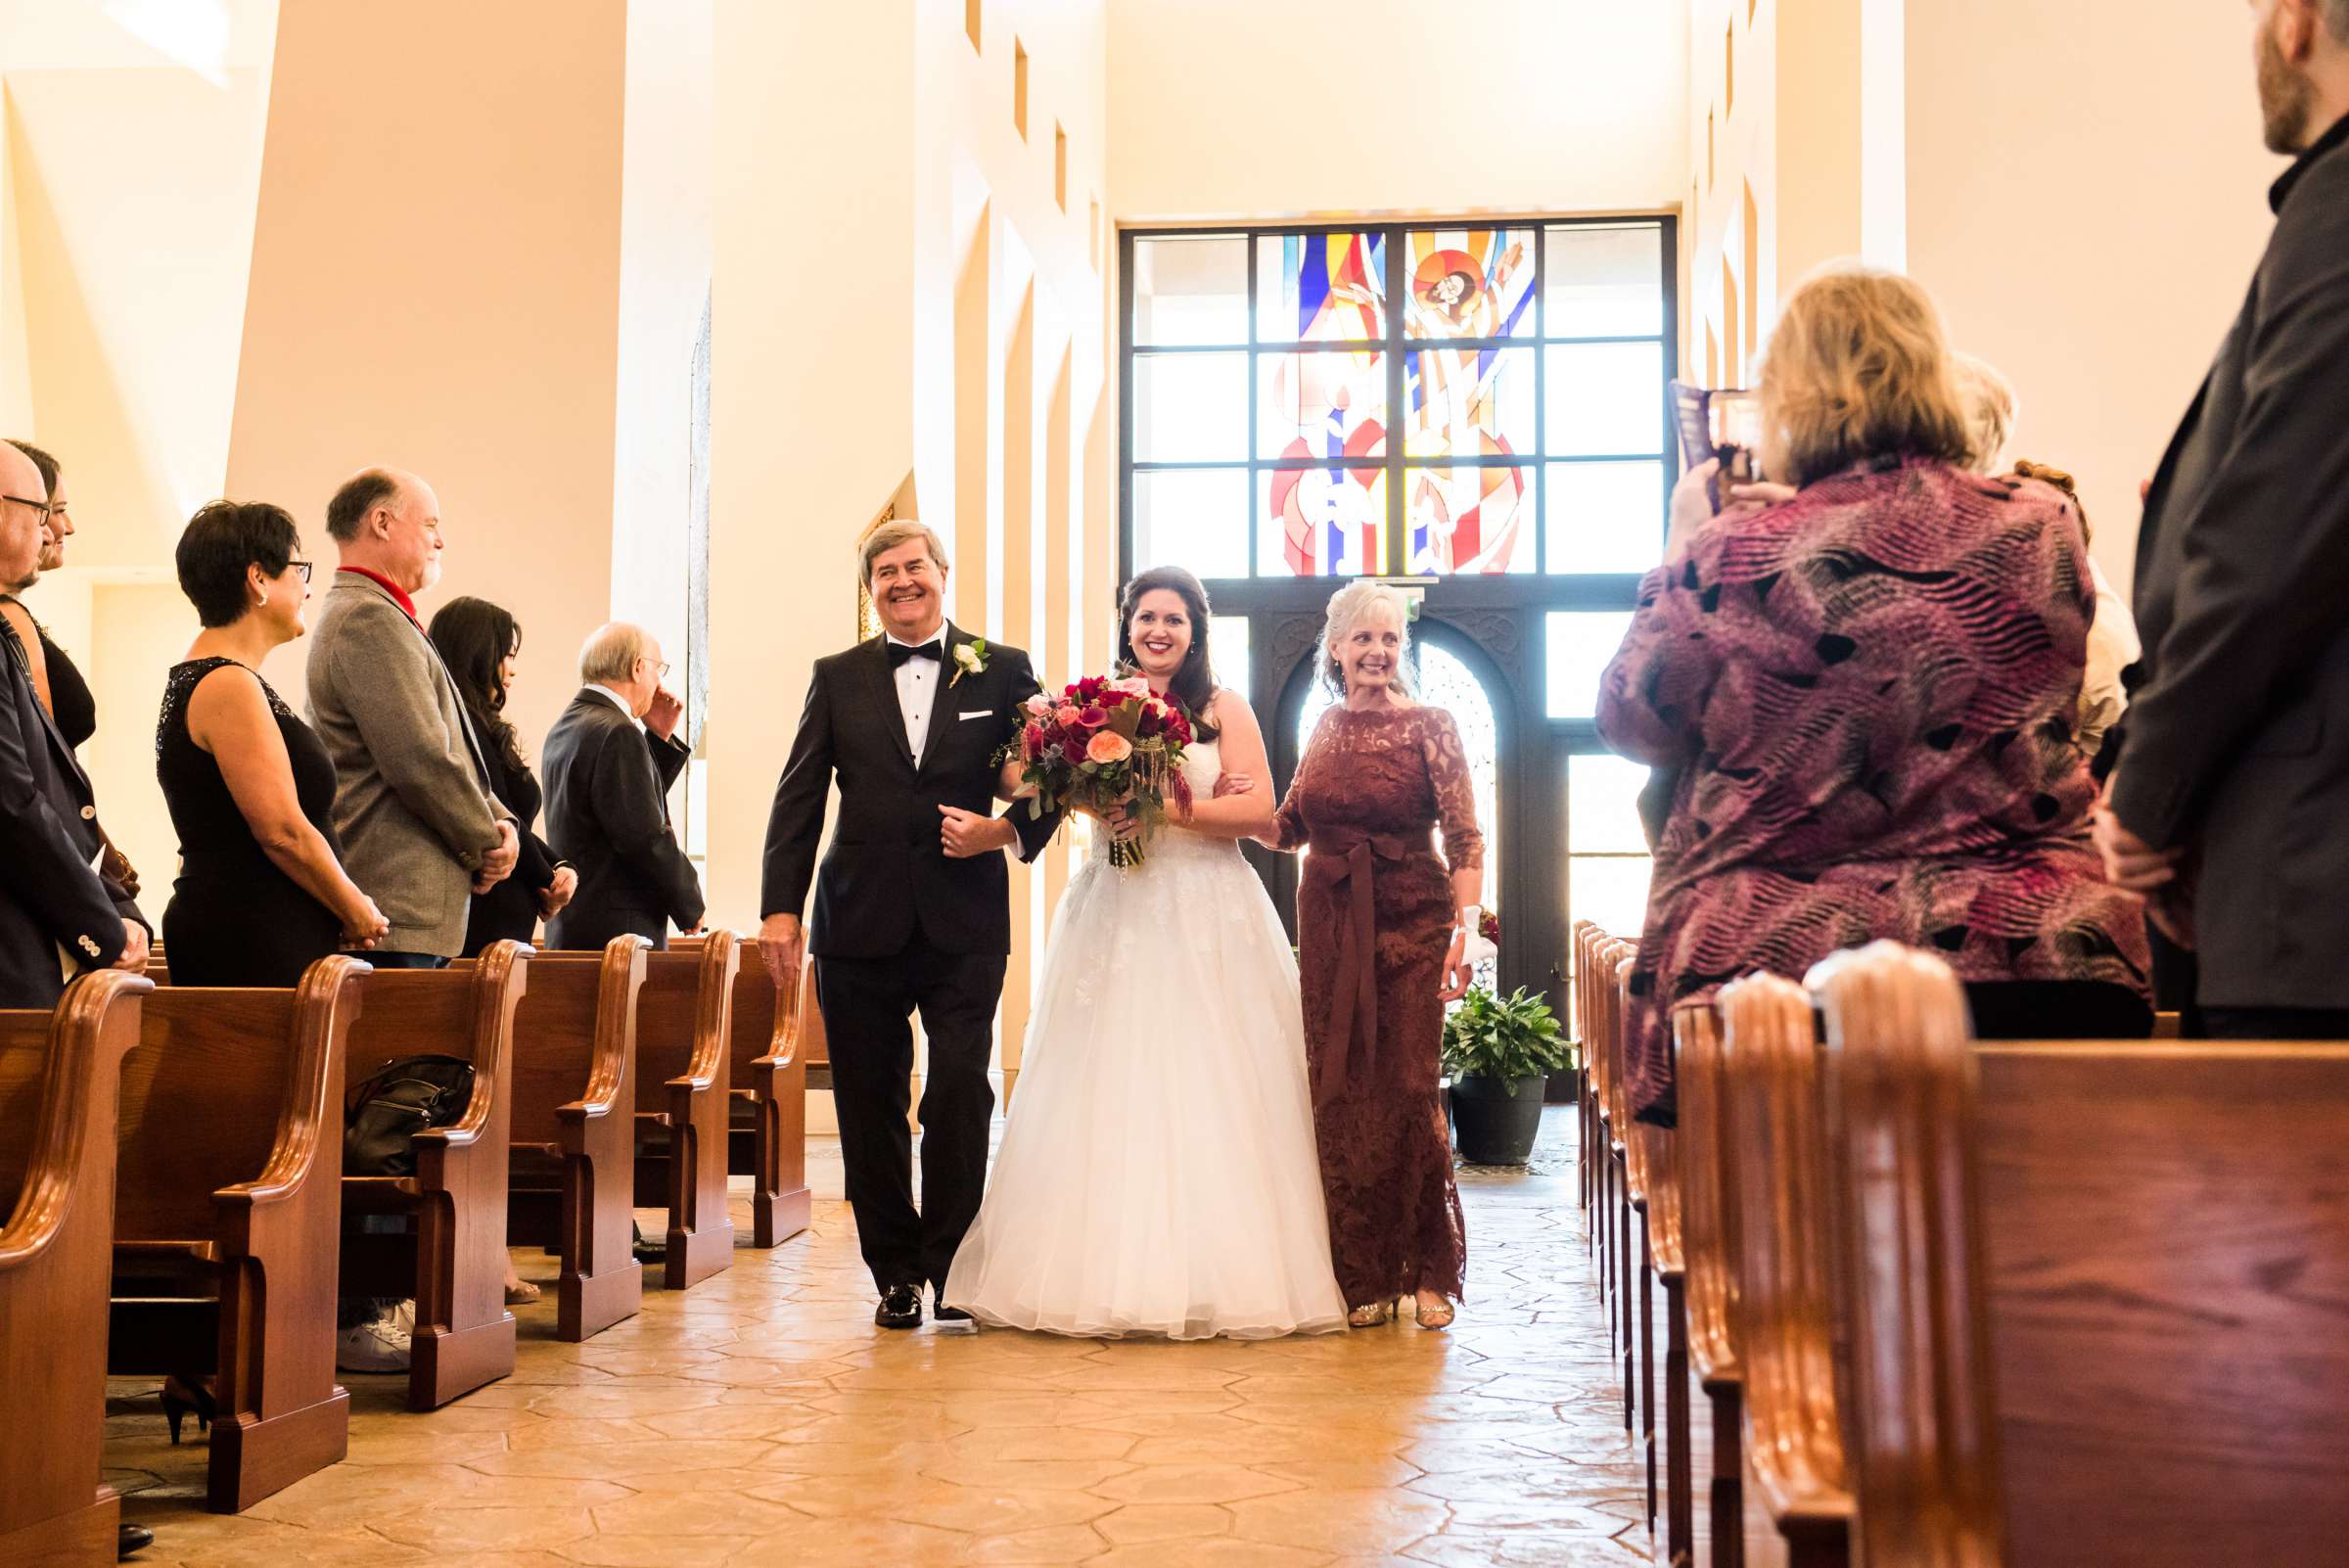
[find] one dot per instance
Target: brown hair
(887, 536)
(1857, 369)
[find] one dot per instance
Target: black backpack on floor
(388, 1110)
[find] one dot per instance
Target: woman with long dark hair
(480, 642)
(1157, 1175)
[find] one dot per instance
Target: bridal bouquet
(1105, 743)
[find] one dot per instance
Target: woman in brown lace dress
(1378, 916)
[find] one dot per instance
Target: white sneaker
(382, 1346)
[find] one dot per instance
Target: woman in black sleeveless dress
(261, 893)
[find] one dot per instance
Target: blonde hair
(1857, 368)
(890, 536)
(1349, 608)
(1990, 408)
(611, 651)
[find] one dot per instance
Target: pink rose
(1135, 685)
(1067, 717)
(1040, 705)
(1094, 717)
(1108, 746)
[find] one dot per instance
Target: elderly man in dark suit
(58, 917)
(609, 761)
(2230, 806)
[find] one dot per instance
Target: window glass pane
(1190, 290)
(1581, 642)
(1613, 893)
(1331, 405)
(1470, 283)
(1603, 805)
(1604, 282)
(1230, 653)
(1470, 519)
(1321, 522)
(1192, 516)
(1607, 398)
(1320, 288)
(1465, 402)
(1190, 408)
(1606, 517)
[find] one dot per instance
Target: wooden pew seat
(450, 1256)
(684, 1046)
(767, 1129)
(573, 1124)
(59, 1075)
(227, 1214)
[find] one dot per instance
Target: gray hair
(891, 535)
(1349, 607)
(1990, 404)
(611, 651)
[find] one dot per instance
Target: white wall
(1237, 108)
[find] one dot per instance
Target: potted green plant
(1500, 1052)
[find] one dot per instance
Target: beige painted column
(436, 285)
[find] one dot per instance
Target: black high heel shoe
(181, 1398)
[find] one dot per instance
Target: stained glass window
(1407, 399)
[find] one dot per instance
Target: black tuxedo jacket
(606, 812)
(49, 894)
(2236, 738)
(886, 876)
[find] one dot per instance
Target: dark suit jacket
(606, 812)
(48, 895)
(2236, 740)
(885, 875)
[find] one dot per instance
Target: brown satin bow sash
(1349, 860)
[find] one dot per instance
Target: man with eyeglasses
(57, 916)
(609, 765)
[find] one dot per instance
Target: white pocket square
(983, 712)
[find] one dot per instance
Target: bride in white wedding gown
(1158, 1175)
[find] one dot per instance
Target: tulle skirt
(1158, 1173)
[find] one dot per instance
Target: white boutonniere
(970, 659)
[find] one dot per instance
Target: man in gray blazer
(421, 830)
(2230, 806)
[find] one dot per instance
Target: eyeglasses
(663, 669)
(43, 507)
(302, 567)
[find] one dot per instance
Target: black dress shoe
(946, 1314)
(133, 1538)
(900, 1307)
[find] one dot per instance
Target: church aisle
(760, 1418)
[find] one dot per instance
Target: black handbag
(388, 1110)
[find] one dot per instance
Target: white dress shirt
(917, 690)
(616, 700)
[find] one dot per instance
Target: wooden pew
(227, 1213)
(1601, 1123)
(454, 1263)
(684, 1026)
(1795, 1449)
(574, 1126)
(767, 1126)
(60, 1074)
(1637, 1143)
(1631, 1272)
(2103, 1318)
(1709, 1206)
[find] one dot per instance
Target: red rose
(1151, 724)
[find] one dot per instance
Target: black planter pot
(1497, 1119)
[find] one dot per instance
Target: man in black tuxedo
(913, 908)
(2230, 803)
(57, 916)
(610, 763)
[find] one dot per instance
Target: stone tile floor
(760, 1418)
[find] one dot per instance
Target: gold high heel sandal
(1370, 1316)
(1436, 1318)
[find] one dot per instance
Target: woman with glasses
(262, 892)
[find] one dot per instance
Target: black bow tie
(899, 652)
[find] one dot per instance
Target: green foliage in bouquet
(1510, 1036)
